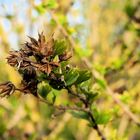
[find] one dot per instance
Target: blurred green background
(105, 33)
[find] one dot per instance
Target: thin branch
(121, 104)
(64, 108)
(78, 96)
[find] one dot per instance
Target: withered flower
(6, 89)
(34, 57)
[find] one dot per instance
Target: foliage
(53, 94)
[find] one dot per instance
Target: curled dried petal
(65, 56)
(34, 41)
(6, 89)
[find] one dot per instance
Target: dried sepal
(33, 41)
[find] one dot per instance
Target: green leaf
(83, 52)
(62, 19)
(40, 9)
(2, 128)
(44, 89)
(70, 77)
(100, 68)
(84, 75)
(59, 47)
(51, 97)
(101, 82)
(52, 4)
(42, 77)
(91, 96)
(118, 63)
(85, 86)
(80, 115)
(129, 9)
(101, 117)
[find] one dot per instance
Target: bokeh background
(105, 35)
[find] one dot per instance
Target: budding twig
(72, 42)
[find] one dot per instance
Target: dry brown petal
(65, 56)
(47, 49)
(55, 64)
(46, 68)
(41, 39)
(31, 47)
(33, 41)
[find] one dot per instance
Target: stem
(83, 99)
(95, 126)
(85, 102)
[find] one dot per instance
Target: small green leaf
(85, 86)
(2, 128)
(42, 77)
(59, 47)
(80, 115)
(70, 77)
(83, 52)
(101, 82)
(129, 9)
(40, 9)
(91, 96)
(44, 88)
(84, 75)
(52, 4)
(101, 117)
(100, 68)
(51, 97)
(118, 63)
(62, 19)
